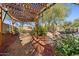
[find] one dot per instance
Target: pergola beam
(46, 8)
(31, 11)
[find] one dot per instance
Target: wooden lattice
(25, 11)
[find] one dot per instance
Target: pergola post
(1, 38)
(12, 26)
(36, 25)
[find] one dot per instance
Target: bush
(68, 45)
(42, 30)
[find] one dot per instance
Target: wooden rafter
(26, 11)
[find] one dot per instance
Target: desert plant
(42, 30)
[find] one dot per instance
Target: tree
(55, 15)
(75, 23)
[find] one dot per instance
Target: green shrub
(68, 45)
(42, 30)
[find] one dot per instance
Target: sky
(73, 13)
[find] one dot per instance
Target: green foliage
(67, 25)
(56, 11)
(60, 11)
(75, 23)
(16, 31)
(42, 30)
(55, 15)
(68, 45)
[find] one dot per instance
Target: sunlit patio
(37, 29)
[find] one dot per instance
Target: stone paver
(20, 47)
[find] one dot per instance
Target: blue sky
(74, 12)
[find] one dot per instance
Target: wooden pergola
(26, 12)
